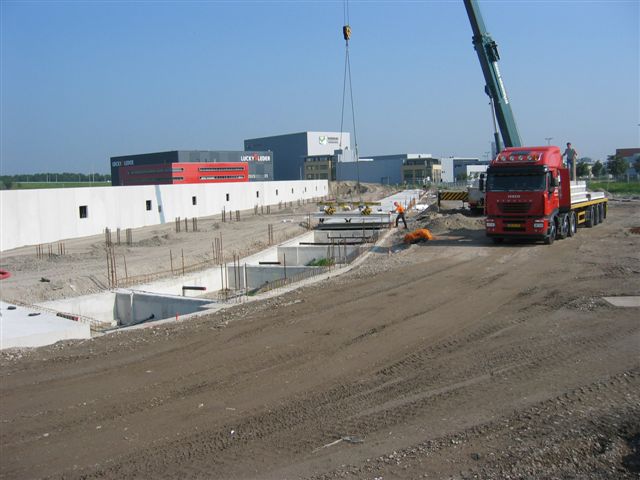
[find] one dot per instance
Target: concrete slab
(25, 327)
(625, 302)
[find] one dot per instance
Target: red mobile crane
(529, 195)
(528, 192)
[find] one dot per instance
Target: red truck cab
(527, 192)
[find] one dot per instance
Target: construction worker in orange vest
(400, 210)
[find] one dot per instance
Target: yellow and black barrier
(452, 195)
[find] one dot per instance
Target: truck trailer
(529, 195)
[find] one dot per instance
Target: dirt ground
(450, 359)
(82, 270)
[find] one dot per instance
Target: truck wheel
(590, 214)
(551, 236)
(563, 226)
(604, 210)
(596, 215)
(573, 225)
(600, 213)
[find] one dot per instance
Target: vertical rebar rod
(115, 267)
(246, 280)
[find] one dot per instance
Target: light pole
(548, 139)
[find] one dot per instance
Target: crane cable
(346, 33)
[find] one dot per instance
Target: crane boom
(487, 51)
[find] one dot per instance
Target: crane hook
(346, 32)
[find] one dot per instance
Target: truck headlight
(538, 224)
(490, 224)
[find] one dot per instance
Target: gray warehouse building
(260, 162)
(290, 150)
(385, 169)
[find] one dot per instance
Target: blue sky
(83, 81)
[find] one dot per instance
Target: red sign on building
(183, 172)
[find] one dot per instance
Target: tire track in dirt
(534, 430)
(310, 412)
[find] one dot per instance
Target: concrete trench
(280, 265)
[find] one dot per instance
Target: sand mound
(445, 223)
(154, 241)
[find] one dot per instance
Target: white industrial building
(31, 217)
(453, 167)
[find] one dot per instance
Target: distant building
(631, 155)
(454, 167)
(473, 172)
(420, 169)
(371, 170)
(384, 169)
(320, 167)
(183, 172)
(258, 164)
(291, 150)
(628, 154)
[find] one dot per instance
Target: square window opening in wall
(276, 192)
(257, 194)
(227, 197)
(148, 205)
(292, 190)
(84, 211)
(194, 201)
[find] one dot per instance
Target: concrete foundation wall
(337, 235)
(258, 275)
(99, 306)
(132, 307)
(30, 217)
(301, 256)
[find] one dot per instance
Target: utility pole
(548, 139)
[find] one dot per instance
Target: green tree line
(615, 166)
(7, 181)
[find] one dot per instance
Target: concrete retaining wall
(30, 217)
(132, 308)
(258, 275)
(337, 235)
(99, 306)
(300, 256)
